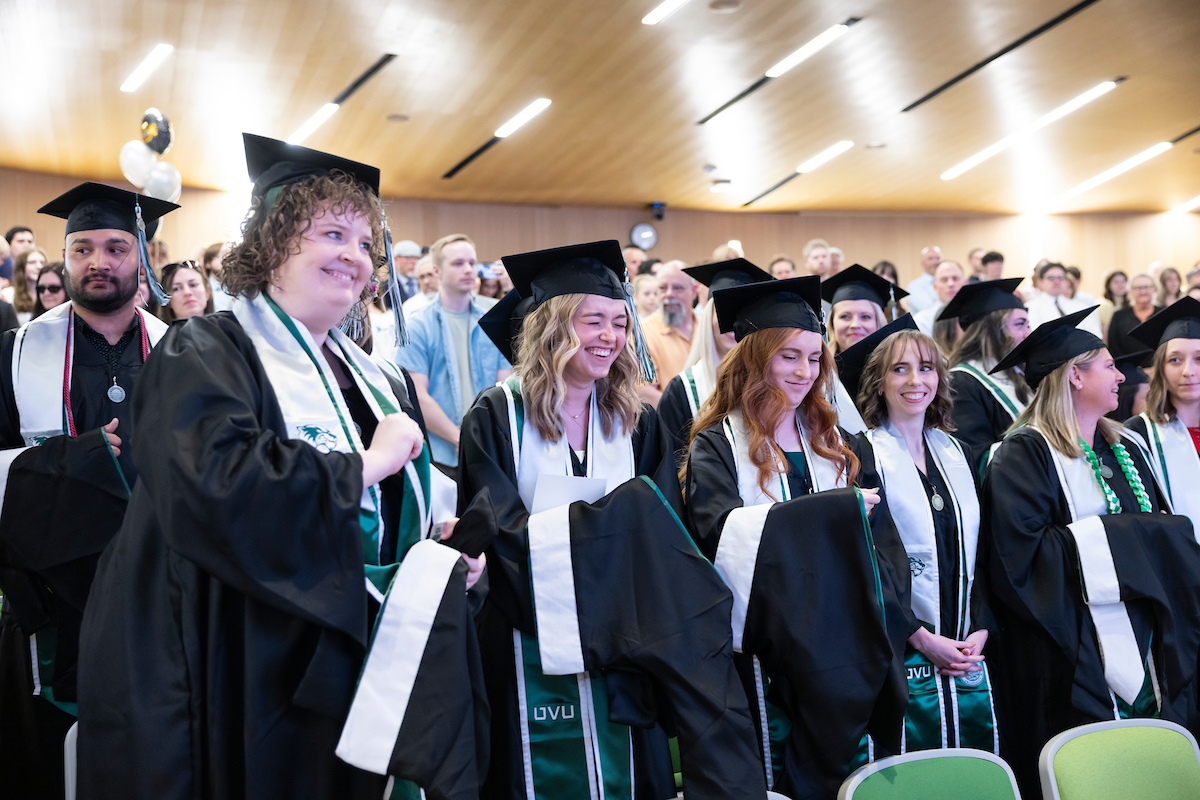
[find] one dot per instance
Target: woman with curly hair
(285, 493)
(1091, 588)
(900, 377)
(820, 608)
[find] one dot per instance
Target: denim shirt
(430, 352)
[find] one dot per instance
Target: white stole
(1174, 460)
(909, 506)
(549, 533)
(1123, 668)
(39, 353)
(310, 413)
(847, 412)
(998, 386)
(698, 385)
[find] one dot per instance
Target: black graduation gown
(675, 417)
(639, 691)
(834, 656)
(1044, 655)
(64, 501)
(979, 419)
(230, 616)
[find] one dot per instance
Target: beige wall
(1096, 243)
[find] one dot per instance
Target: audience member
(645, 294)
(50, 292)
(1052, 302)
(975, 265)
(668, 333)
(160, 254)
(19, 240)
(427, 286)
(26, 267)
(947, 280)
(993, 266)
(1142, 292)
(191, 295)
(214, 256)
(1193, 276)
(1170, 287)
(450, 358)
(6, 266)
(1115, 296)
(886, 270)
(489, 282)
(836, 259)
(920, 290)
(782, 267)
(405, 253)
(634, 256)
(816, 258)
(1194, 291)
(649, 266)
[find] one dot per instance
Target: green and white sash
(998, 386)
(1177, 467)
(937, 705)
(737, 557)
(39, 355)
(1124, 670)
(569, 747)
(698, 385)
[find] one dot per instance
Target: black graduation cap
(850, 362)
(1051, 345)
(975, 301)
(790, 303)
(1133, 365)
(502, 323)
(94, 206)
(593, 268)
(1180, 320)
(856, 282)
(725, 274)
(272, 163)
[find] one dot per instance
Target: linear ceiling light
(1190, 205)
(529, 112)
(1055, 115)
(314, 122)
(804, 53)
(825, 155)
(662, 11)
(810, 49)
(1119, 169)
(149, 64)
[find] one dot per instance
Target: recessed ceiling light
(721, 185)
(709, 168)
(148, 65)
(725, 6)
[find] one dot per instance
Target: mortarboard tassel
(639, 340)
(393, 290)
(156, 289)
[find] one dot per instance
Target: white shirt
(415, 303)
(1044, 308)
(927, 317)
(920, 293)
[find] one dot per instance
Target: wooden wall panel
(1096, 243)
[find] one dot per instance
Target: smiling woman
(299, 491)
(191, 295)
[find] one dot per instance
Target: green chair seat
(1126, 759)
(948, 774)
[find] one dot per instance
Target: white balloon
(164, 182)
(137, 160)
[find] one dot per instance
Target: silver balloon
(164, 182)
(137, 160)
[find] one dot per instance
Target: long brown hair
(987, 340)
(743, 384)
(871, 401)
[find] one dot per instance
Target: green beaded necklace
(1130, 472)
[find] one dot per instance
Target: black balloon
(156, 131)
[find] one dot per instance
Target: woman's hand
(871, 498)
(948, 656)
(975, 643)
(397, 441)
(474, 565)
(110, 436)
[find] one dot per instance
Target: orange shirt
(668, 348)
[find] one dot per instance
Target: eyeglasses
(50, 289)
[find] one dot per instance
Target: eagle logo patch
(319, 438)
(915, 565)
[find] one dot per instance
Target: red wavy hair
(743, 385)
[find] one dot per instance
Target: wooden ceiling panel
(626, 97)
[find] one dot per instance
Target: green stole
(569, 747)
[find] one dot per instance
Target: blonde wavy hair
(547, 342)
(743, 384)
(1052, 410)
